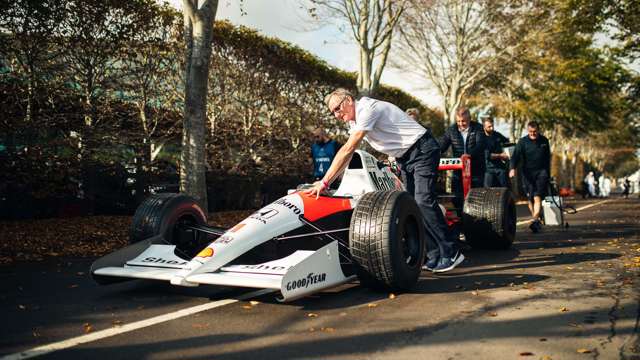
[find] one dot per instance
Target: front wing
(297, 275)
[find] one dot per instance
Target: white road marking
(98, 335)
(578, 209)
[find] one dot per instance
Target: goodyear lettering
(311, 279)
(382, 183)
(156, 260)
(285, 203)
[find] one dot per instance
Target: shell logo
(205, 253)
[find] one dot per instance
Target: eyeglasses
(337, 108)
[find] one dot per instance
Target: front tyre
(169, 215)
(387, 240)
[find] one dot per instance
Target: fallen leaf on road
(546, 357)
(327, 329)
(584, 351)
(543, 339)
(116, 323)
(312, 315)
(343, 314)
(474, 293)
(87, 328)
(247, 307)
(563, 309)
(569, 267)
(526, 353)
(493, 314)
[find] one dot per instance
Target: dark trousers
(420, 174)
(496, 178)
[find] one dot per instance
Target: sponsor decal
(264, 215)
(205, 253)
(237, 227)
(384, 182)
(311, 279)
(263, 267)
(370, 161)
(296, 210)
(157, 260)
(450, 162)
(224, 239)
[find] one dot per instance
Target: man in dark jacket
(465, 137)
(497, 159)
(534, 153)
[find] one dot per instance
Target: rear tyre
(387, 240)
(167, 215)
(489, 218)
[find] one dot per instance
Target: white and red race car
(369, 229)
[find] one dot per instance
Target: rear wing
(462, 164)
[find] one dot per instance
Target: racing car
(368, 229)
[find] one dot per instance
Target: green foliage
(101, 100)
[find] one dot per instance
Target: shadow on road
(273, 345)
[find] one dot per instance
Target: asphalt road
(561, 294)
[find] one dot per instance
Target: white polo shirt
(389, 129)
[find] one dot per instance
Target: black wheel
(387, 240)
(167, 214)
(489, 218)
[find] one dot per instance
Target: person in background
(465, 137)
(497, 159)
(626, 186)
(323, 150)
(590, 181)
(606, 186)
(534, 153)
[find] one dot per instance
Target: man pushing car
(391, 131)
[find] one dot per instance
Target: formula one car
(369, 229)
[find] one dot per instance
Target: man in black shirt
(465, 137)
(534, 153)
(497, 158)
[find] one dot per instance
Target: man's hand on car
(318, 188)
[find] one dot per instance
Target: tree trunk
(198, 35)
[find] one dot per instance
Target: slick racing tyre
(489, 218)
(387, 240)
(167, 214)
